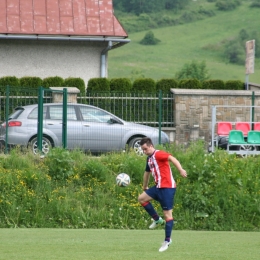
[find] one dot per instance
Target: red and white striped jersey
(159, 166)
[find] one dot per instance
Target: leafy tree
(256, 3)
(193, 70)
(176, 4)
(149, 39)
(234, 52)
(256, 36)
(148, 6)
(243, 35)
(227, 5)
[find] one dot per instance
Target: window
(56, 113)
(34, 113)
(91, 114)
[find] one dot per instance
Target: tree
(148, 6)
(149, 39)
(193, 70)
(235, 52)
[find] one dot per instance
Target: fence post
(6, 117)
(253, 110)
(64, 119)
(160, 116)
(40, 119)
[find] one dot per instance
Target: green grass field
(72, 244)
(183, 43)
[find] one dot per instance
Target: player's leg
(144, 199)
(167, 202)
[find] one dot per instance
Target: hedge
(31, 82)
(213, 84)
(166, 84)
(190, 84)
(146, 85)
(77, 83)
(120, 85)
(53, 82)
(235, 84)
(98, 85)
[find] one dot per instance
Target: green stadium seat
(253, 137)
(235, 137)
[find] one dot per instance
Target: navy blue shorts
(165, 196)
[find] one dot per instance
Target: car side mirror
(113, 121)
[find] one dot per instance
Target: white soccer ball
(122, 180)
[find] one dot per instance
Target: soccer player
(164, 189)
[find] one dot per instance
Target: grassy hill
(181, 44)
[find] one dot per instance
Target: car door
(53, 123)
(100, 133)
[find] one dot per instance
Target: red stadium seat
(257, 126)
(243, 126)
(224, 128)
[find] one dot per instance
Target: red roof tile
(59, 17)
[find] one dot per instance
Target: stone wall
(193, 111)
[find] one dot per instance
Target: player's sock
(168, 229)
(150, 210)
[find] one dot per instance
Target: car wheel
(46, 145)
(135, 144)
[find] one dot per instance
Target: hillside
(183, 43)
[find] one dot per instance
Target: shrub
(31, 82)
(256, 3)
(149, 39)
(77, 83)
(59, 163)
(146, 85)
(234, 52)
(190, 84)
(98, 84)
(120, 85)
(193, 70)
(11, 81)
(234, 84)
(53, 82)
(227, 5)
(166, 84)
(213, 84)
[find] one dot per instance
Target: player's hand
(183, 173)
(145, 188)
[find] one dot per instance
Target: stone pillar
(57, 97)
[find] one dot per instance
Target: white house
(66, 38)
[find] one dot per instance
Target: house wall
(193, 110)
(50, 58)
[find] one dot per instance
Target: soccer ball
(122, 180)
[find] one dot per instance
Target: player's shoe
(156, 223)
(165, 246)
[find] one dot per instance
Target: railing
(134, 107)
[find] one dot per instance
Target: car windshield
(16, 113)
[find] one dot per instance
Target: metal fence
(134, 107)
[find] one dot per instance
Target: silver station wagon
(88, 128)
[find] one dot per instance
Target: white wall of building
(50, 58)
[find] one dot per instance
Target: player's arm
(146, 180)
(178, 166)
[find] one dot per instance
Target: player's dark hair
(147, 141)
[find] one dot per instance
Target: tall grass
(183, 43)
(221, 192)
